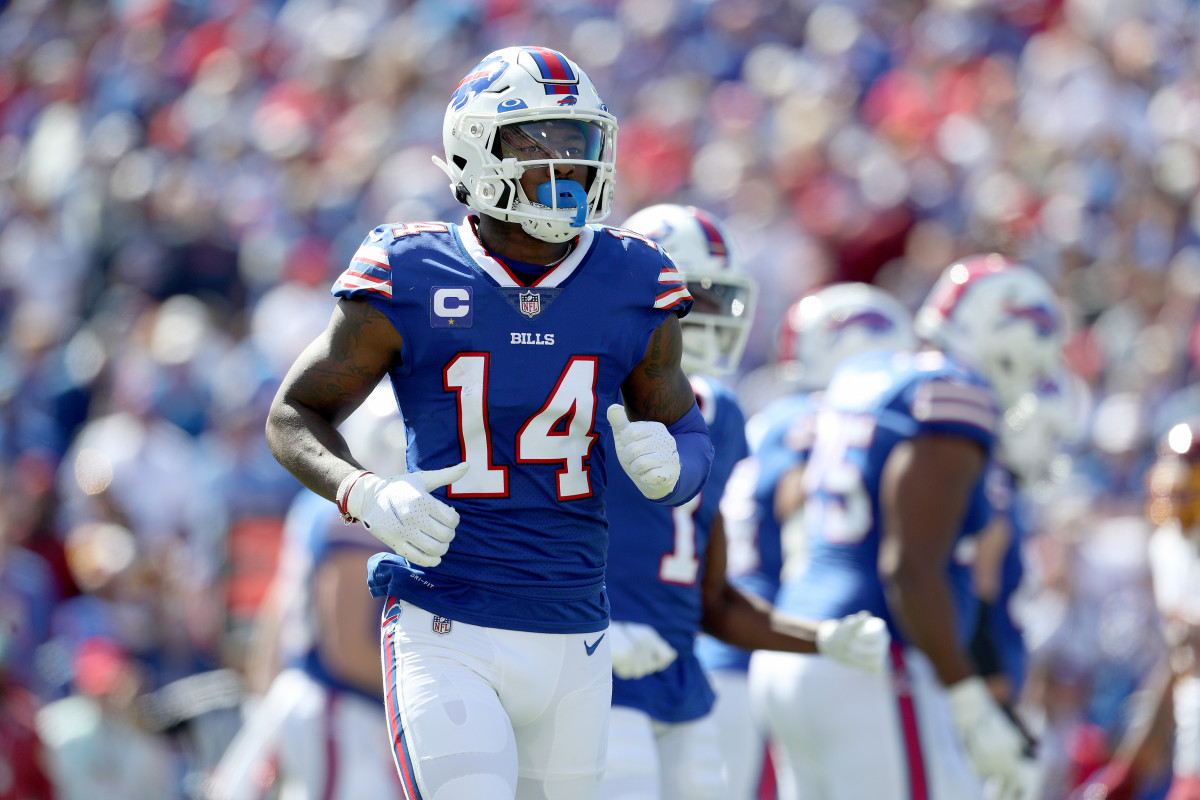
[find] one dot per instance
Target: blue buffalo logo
(871, 320)
(478, 80)
(1042, 318)
(569, 100)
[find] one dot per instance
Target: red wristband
(343, 493)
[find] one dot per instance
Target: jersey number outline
(560, 432)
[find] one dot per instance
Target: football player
(893, 490)
(818, 332)
(666, 571)
(509, 339)
(317, 728)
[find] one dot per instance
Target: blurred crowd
(180, 182)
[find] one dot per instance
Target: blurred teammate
(318, 732)
(819, 331)
(1031, 434)
(508, 338)
(666, 570)
(894, 486)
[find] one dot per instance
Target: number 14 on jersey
(561, 432)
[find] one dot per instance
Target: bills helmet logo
(531, 304)
(871, 320)
(478, 80)
(1042, 318)
(441, 625)
(569, 100)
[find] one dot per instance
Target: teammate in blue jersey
(818, 332)
(318, 728)
(666, 571)
(894, 490)
(509, 339)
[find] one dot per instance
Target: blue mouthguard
(565, 194)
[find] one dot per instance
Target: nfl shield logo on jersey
(441, 625)
(531, 304)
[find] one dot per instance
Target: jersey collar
(502, 275)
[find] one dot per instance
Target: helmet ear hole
(459, 162)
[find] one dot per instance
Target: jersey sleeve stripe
(670, 276)
(960, 392)
(353, 281)
(965, 413)
(372, 256)
(672, 297)
(944, 401)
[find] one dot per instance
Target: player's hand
(860, 640)
(647, 453)
(1025, 783)
(401, 512)
(999, 750)
(637, 650)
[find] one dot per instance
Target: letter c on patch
(460, 306)
(450, 307)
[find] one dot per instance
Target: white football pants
(742, 743)
(652, 760)
(841, 733)
(320, 743)
(487, 714)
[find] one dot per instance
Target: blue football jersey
(515, 380)
(1004, 633)
(656, 562)
(753, 536)
(873, 403)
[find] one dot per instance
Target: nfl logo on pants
(441, 625)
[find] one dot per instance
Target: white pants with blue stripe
(487, 714)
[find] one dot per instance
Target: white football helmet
(516, 110)
(825, 327)
(716, 329)
(1041, 422)
(998, 316)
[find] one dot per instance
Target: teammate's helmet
(997, 316)
(1173, 481)
(516, 110)
(825, 327)
(1039, 423)
(715, 331)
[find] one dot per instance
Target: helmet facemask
(716, 329)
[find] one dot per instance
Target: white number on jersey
(559, 433)
(834, 482)
(681, 565)
(541, 441)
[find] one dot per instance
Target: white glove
(1025, 783)
(637, 650)
(647, 453)
(997, 748)
(401, 513)
(860, 640)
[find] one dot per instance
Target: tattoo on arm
(658, 389)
